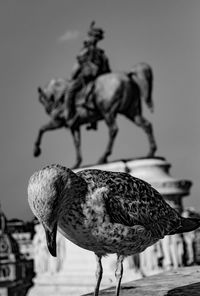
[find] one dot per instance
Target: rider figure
(91, 62)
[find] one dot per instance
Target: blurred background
(40, 40)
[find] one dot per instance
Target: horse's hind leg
(76, 134)
(113, 129)
(147, 127)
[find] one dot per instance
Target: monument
(99, 96)
(85, 99)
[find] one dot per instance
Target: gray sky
(39, 41)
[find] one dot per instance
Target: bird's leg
(99, 272)
(119, 273)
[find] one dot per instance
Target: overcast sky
(40, 40)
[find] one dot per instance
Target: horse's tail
(149, 77)
(142, 74)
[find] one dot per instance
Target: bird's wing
(131, 201)
(135, 202)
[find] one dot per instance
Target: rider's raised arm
(77, 67)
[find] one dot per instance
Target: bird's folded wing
(145, 207)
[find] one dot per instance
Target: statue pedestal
(73, 273)
(169, 250)
(156, 172)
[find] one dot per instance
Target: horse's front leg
(76, 134)
(52, 125)
(113, 130)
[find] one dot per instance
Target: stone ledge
(181, 282)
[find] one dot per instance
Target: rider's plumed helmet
(96, 33)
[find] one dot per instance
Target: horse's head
(45, 99)
(52, 96)
(40, 91)
(42, 95)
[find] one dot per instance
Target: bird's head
(45, 194)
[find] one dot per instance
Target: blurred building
(16, 268)
(23, 233)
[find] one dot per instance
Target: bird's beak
(51, 239)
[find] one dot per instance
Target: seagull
(102, 211)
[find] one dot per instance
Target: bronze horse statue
(111, 94)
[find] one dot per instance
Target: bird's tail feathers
(187, 224)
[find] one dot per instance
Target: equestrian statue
(95, 93)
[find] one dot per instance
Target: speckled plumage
(105, 212)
